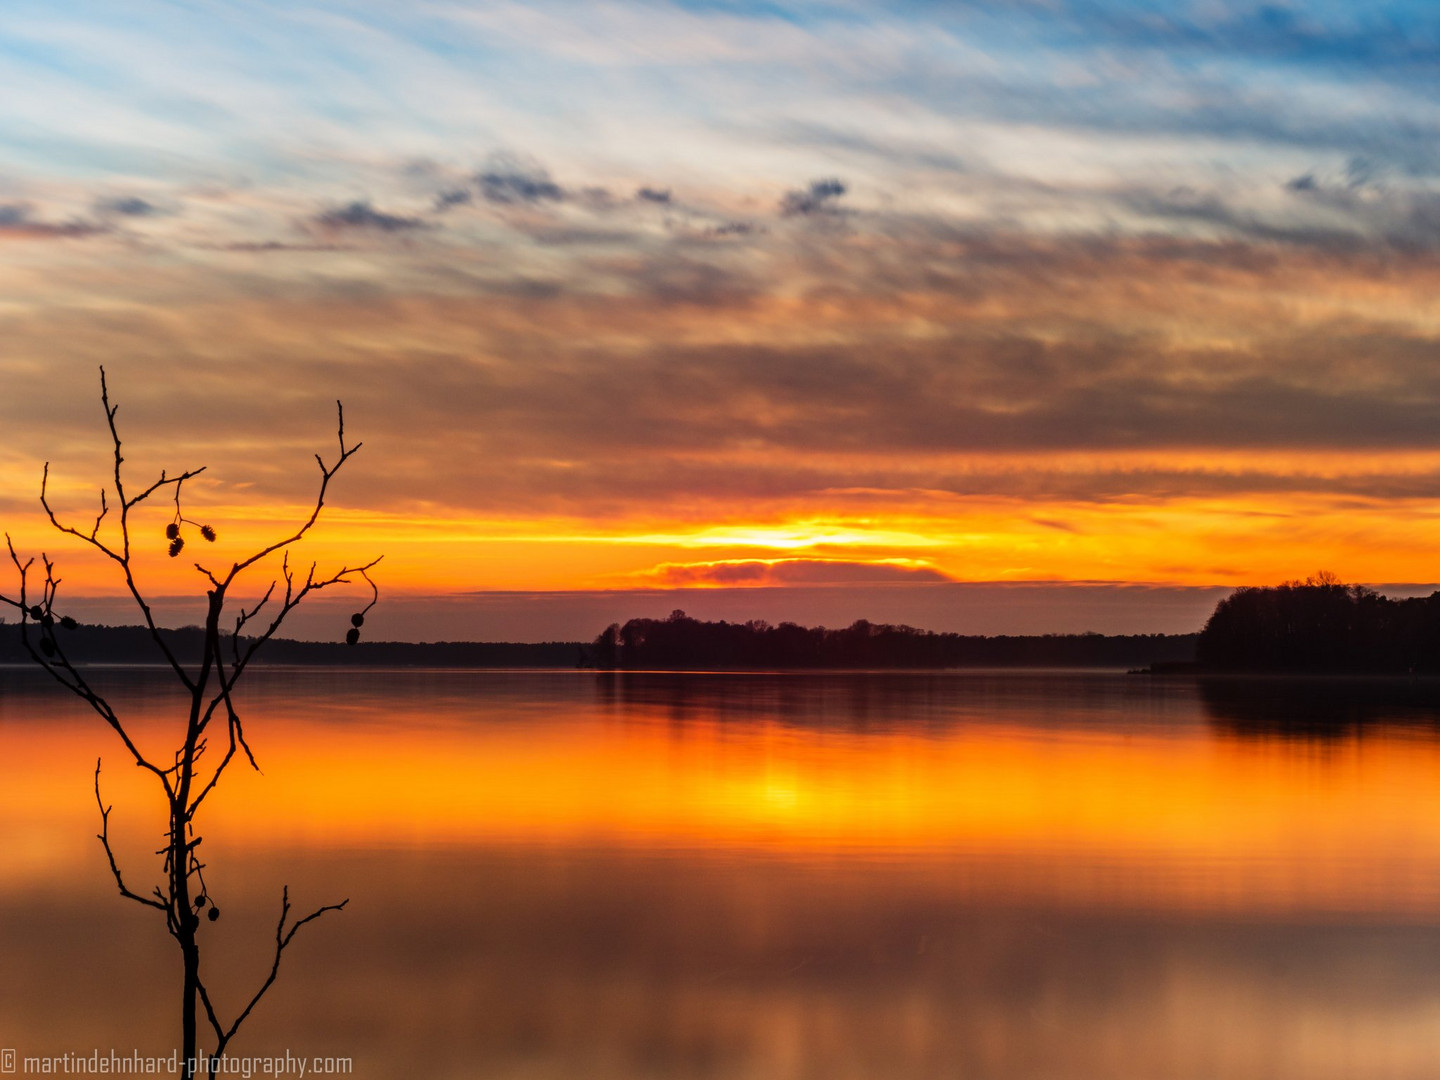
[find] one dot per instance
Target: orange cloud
(901, 399)
(780, 572)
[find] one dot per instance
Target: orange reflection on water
(1182, 817)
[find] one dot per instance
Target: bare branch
(93, 537)
(327, 473)
(52, 658)
(110, 535)
(210, 1014)
(291, 601)
(283, 937)
(374, 589)
(244, 617)
(236, 735)
(104, 837)
(122, 556)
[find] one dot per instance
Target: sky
(1022, 317)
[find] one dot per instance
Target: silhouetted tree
(1321, 625)
(606, 650)
(681, 642)
(226, 654)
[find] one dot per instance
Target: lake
(563, 874)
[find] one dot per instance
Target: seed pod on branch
(183, 899)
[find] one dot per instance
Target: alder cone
(36, 611)
(68, 623)
(176, 545)
(357, 619)
(213, 914)
(172, 530)
(352, 636)
(208, 533)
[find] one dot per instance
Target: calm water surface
(566, 875)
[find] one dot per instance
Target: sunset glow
(864, 539)
(1275, 826)
(673, 297)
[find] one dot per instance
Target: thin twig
(283, 937)
(104, 837)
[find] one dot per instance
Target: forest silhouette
(681, 642)
(1318, 625)
(1321, 625)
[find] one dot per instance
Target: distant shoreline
(132, 646)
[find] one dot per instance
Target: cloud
(444, 200)
(732, 228)
(1079, 274)
(506, 180)
(774, 573)
(127, 206)
(361, 215)
(17, 220)
(598, 198)
(819, 198)
(626, 365)
(256, 246)
(510, 180)
(1345, 213)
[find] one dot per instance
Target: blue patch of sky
(1252, 74)
(328, 60)
(44, 154)
(1322, 35)
(798, 14)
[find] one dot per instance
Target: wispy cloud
(19, 221)
(510, 179)
(820, 197)
(361, 215)
(127, 206)
(453, 197)
(762, 573)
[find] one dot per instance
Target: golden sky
(670, 297)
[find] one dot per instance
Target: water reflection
(1321, 708)
(889, 876)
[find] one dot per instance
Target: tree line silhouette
(1315, 625)
(1321, 625)
(681, 642)
(639, 644)
(88, 644)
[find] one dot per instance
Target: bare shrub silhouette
(210, 686)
